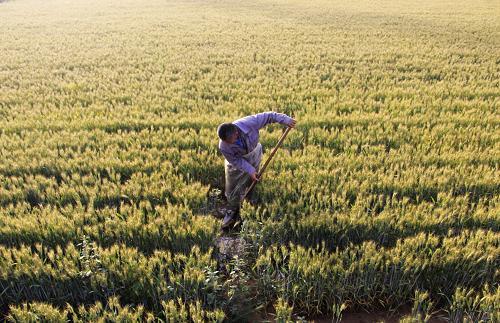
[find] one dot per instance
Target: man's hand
(292, 123)
(254, 177)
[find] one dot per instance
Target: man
(239, 143)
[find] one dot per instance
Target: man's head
(228, 132)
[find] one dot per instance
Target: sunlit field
(385, 198)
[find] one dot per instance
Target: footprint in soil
(228, 245)
(216, 204)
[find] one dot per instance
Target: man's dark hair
(225, 130)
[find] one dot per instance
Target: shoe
(229, 219)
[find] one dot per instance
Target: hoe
(261, 171)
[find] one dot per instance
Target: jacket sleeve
(238, 162)
(262, 119)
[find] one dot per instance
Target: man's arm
(260, 120)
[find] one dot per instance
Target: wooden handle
(283, 136)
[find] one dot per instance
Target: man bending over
(239, 143)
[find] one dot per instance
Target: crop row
(113, 310)
(332, 222)
(381, 219)
(369, 277)
(84, 273)
(464, 305)
(172, 228)
(429, 136)
(363, 276)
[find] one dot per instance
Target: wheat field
(386, 196)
